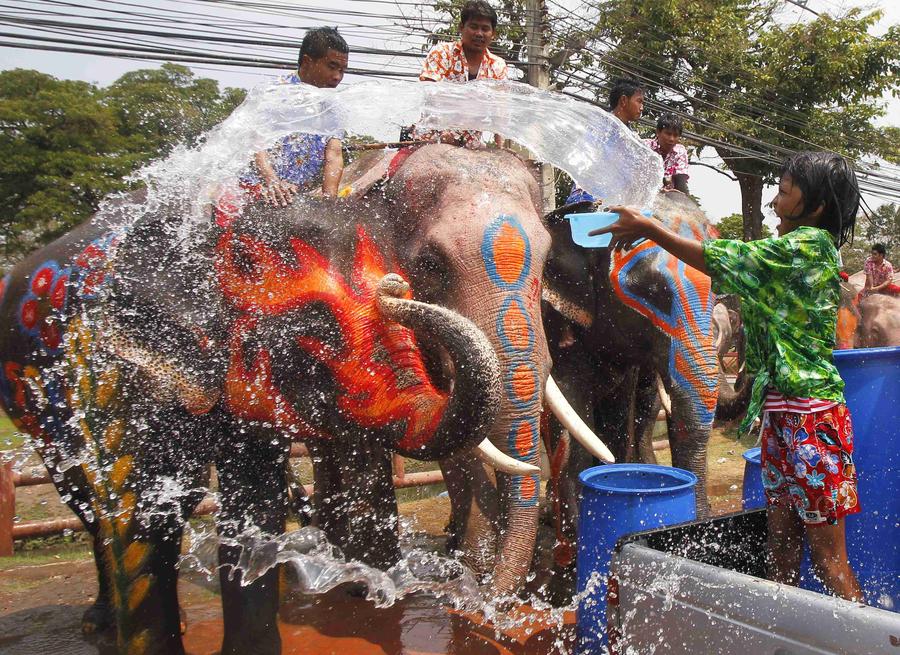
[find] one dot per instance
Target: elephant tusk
(490, 454)
(663, 396)
(573, 423)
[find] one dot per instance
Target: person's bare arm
(632, 226)
(881, 287)
(275, 191)
(867, 287)
(334, 168)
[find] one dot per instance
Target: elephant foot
(98, 618)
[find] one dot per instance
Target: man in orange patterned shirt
(465, 60)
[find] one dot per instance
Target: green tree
(161, 107)
(61, 154)
(732, 227)
(883, 226)
(739, 68)
(65, 145)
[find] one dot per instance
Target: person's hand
(631, 227)
(278, 192)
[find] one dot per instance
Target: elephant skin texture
(137, 358)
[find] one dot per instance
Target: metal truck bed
(697, 588)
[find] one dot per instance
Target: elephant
(137, 356)
(625, 328)
(879, 324)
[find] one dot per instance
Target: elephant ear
(163, 316)
(678, 301)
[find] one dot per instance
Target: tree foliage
(66, 144)
(732, 227)
(739, 68)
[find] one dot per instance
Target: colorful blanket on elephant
(685, 315)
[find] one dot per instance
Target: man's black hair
(319, 41)
(880, 249)
(670, 121)
(623, 86)
(477, 9)
(826, 180)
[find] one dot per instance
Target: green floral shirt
(790, 290)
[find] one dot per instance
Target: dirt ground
(48, 583)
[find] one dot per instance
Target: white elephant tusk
(573, 423)
(490, 454)
(663, 396)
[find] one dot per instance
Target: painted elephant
(138, 356)
(621, 325)
(879, 325)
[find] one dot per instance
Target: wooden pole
(538, 75)
(7, 508)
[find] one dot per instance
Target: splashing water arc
(600, 153)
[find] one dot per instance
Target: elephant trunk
(733, 400)
(473, 404)
(509, 312)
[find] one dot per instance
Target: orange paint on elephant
(509, 253)
(516, 328)
(525, 439)
(528, 488)
(524, 383)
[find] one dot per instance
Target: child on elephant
(790, 292)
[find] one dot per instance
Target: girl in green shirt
(790, 291)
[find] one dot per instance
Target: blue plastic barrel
(872, 388)
(618, 499)
(752, 493)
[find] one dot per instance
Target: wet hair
(670, 121)
(826, 180)
(880, 249)
(477, 9)
(319, 41)
(623, 86)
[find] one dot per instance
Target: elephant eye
(430, 275)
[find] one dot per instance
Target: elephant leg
(253, 492)
(356, 505)
(474, 504)
(646, 409)
(101, 615)
(567, 460)
(688, 440)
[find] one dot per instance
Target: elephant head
(474, 242)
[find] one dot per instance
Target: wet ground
(42, 598)
(43, 604)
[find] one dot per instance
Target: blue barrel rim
(688, 479)
(753, 455)
(865, 354)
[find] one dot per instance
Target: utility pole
(538, 75)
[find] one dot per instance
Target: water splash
(600, 153)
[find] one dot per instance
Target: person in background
(301, 161)
(675, 156)
(626, 102)
(465, 60)
(879, 272)
(789, 288)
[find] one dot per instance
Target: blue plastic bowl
(581, 224)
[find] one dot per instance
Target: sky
(718, 195)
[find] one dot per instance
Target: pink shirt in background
(880, 273)
(676, 162)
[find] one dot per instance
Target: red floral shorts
(807, 461)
